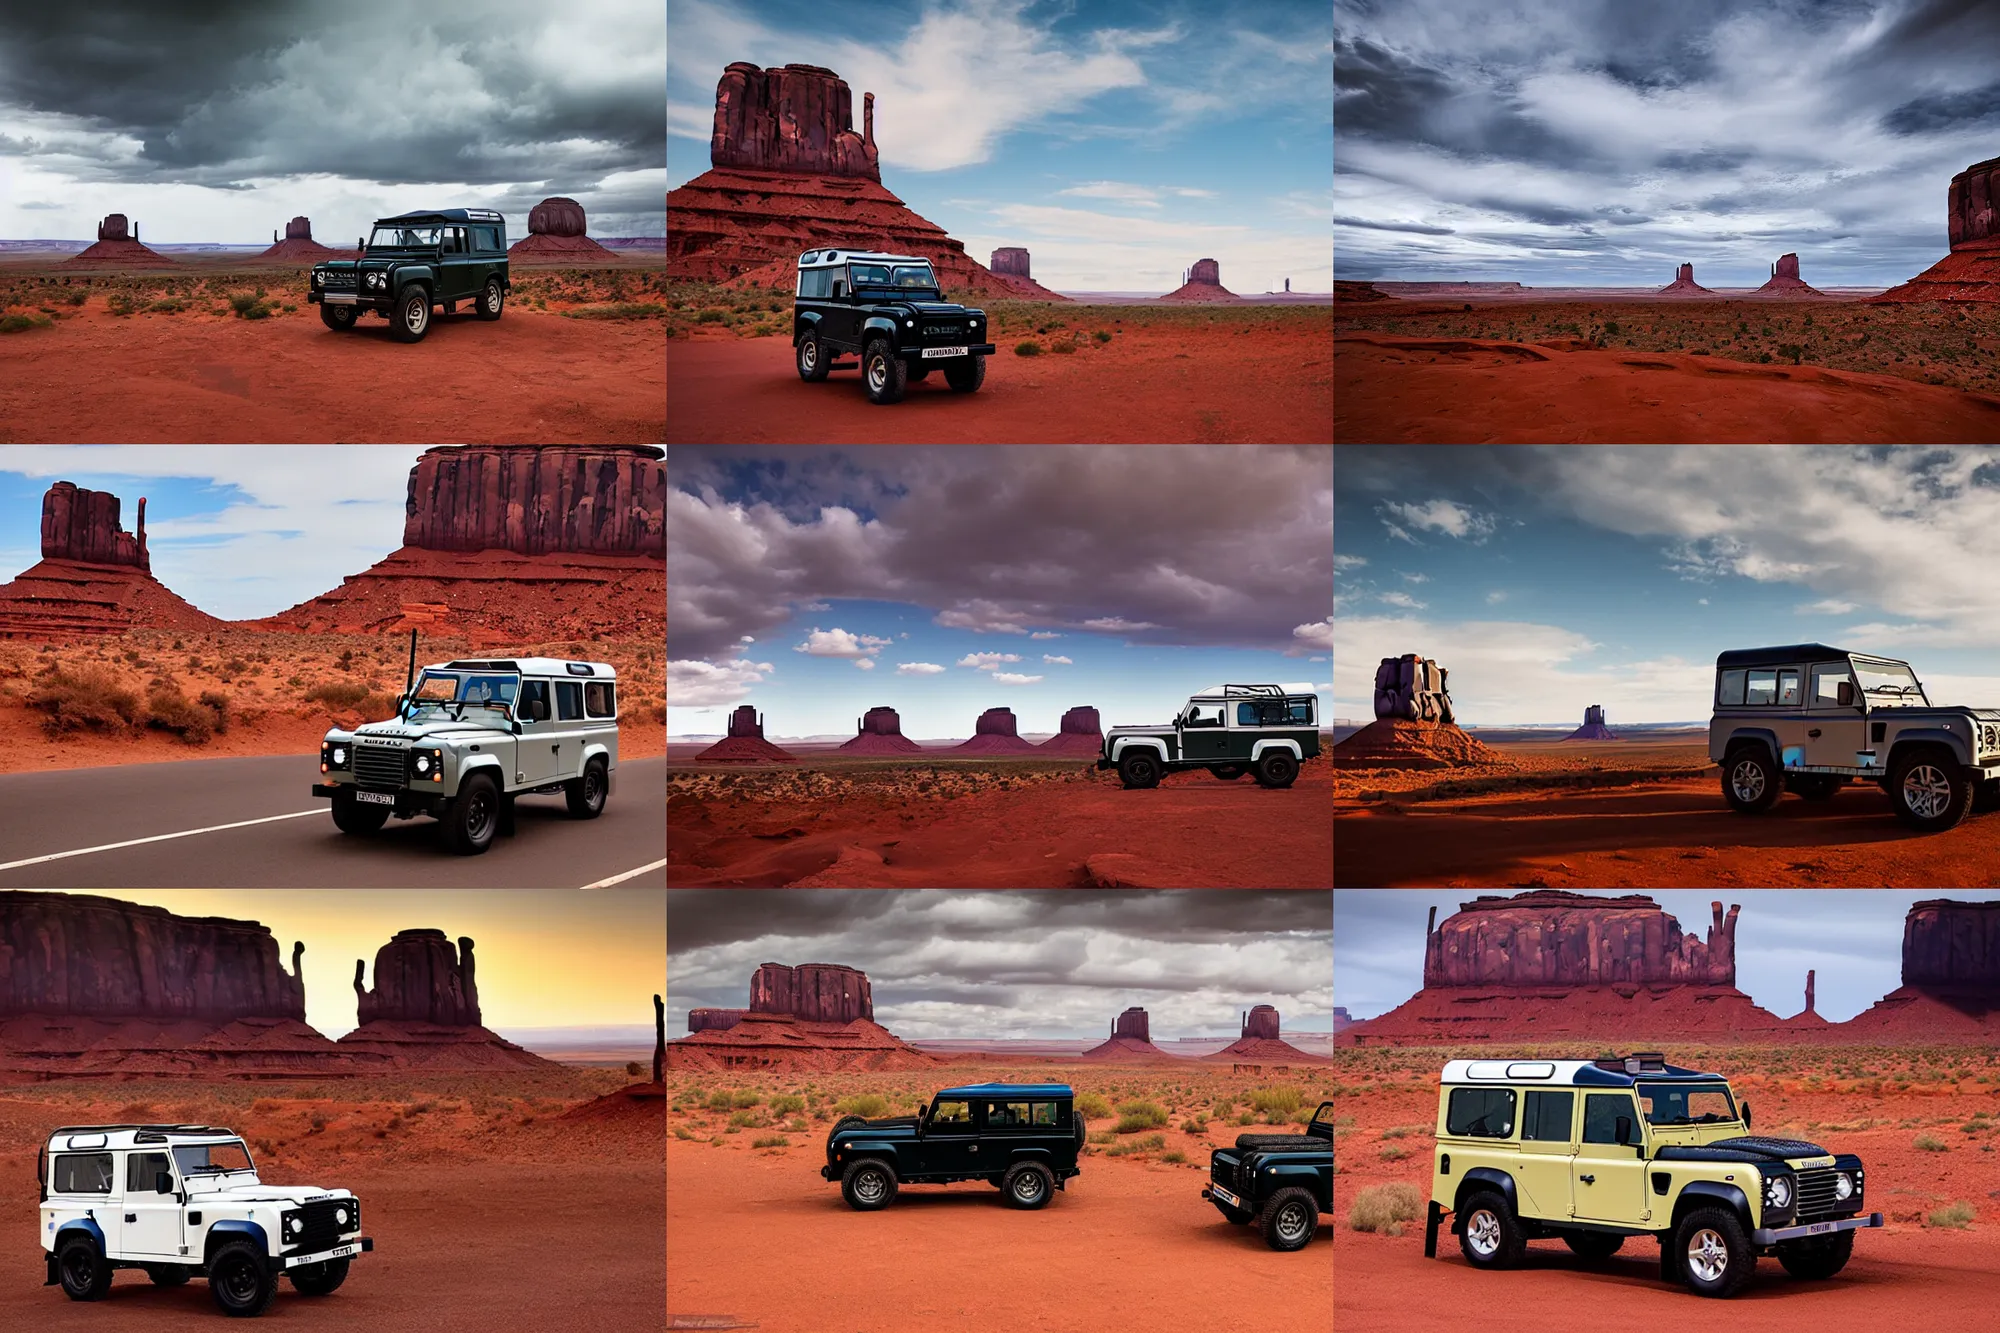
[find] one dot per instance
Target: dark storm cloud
(1942, 111)
(1418, 227)
(392, 91)
(1377, 92)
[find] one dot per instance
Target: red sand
(1077, 743)
(745, 750)
(1394, 742)
(1126, 1050)
(1201, 291)
(1463, 390)
(874, 742)
(994, 745)
(117, 255)
(527, 378)
(1271, 388)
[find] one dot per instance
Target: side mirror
(163, 1183)
(1746, 1115)
(839, 289)
(1846, 693)
(1622, 1130)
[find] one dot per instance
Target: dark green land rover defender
(889, 311)
(1020, 1138)
(1266, 731)
(414, 262)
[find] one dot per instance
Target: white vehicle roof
(1569, 1073)
(531, 666)
(104, 1138)
(1251, 691)
(821, 258)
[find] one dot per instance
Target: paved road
(296, 845)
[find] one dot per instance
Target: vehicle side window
(1480, 1113)
(600, 699)
(1762, 688)
(1302, 712)
(489, 239)
(952, 1115)
(1729, 689)
(1545, 1117)
(534, 700)
(141, 1168)
(1788, 688)
(83, 1173)
(1200, 716)
(1251, 713)
(1600, 1116)
(814, 283)
(569, 700)
(1826, 682)
(1044, 1114)
(1007, 1115)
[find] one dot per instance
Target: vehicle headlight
(909, 323)
(423, 763)
(1843, 1186)
(340, 1216)
(1778, 1191)
(315, 277)
(292, 1223)
(340, 756)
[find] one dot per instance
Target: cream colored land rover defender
(1591, 1152)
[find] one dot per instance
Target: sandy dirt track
(528, 378)
(1152, 385)
(1481, 391)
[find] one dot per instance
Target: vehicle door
(1548, 1141)
(458, 267)
(1018, 1127)
(1608, 1172)
(949, 1145)
(837, 316)
(600, 710)
(152, 1219)
(1837, 723)
(86, 1178)
(566, 741)
(1777, 696)
(538, 747)
(1205, 733)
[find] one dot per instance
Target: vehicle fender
(598, 750)
(808, 319)
(884, 1153)
(401, 279)
(1931, 736)
(1285, 1174)
(1763, 735)
(1123, 743)
(86, 1226)
(468, 764)
(1258, 748)
(1710, 1194)
(234, 1228)
(1477, 1179)
(881, 324)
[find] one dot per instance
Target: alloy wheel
(878, 372)
(1482, 1230)
(1748, 780)
(1291, 1222)
(1027, 1187)
(869, 1186)
(1708, 1254)
(1926, 791)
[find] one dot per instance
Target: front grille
(379, 765)
(320, 1231)
(339, 282)
(945, 332)
(1816, 1198)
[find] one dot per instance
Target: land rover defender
(412, 263)
(1264, 730)
(1279, 1183)
(889, 311)
(184, 1201)
(1810, 719)
(1021, 1138)
(1596, 1152)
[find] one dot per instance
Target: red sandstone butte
(1785, 281)
(1131, 1040)
(1951, 977)
(299, 247)
(556, 236)
(880, 731)
(1260, 1042)
(1971, 271)
(816, 1016)
(1593, 728)
(1684, 284)
(994, 733)
(423, 1012)
(93, 577)
(816, 992)
(1081, 734)
(115, 248)
(1011, 260)
(1202, 283)
(745, 743)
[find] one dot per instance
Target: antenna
(410, 676)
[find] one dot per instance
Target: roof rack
(1639, 1062)
(143, 1129)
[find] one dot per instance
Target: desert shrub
(747, 1097)
(1276, 1101)
(1135, 1116)
(786, 1103)
(167, 306)
(709, 316)
(1063, 347)
(622, 310)
(749, 1120)
(1175, 1156)
(721, 1101)
(1384, 1208)
(338, 693)
(19, 323)
(77, 298)
(1103, 1136)
(1392, 1153)
(867, 1105)
(85, 698)
(1101, 336)
(1954, 1215)
(683, 1132)
(249, 305)
(167, 709)
(1404, 1131)
(1149, 1143)
(1093, 1105)
(121, 303)
(1930, 1143)
(771, 1141)
(1029, 348)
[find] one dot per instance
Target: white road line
(607, 883)
(165, 837)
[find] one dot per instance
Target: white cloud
(814, 606)
(1057, 661)
(1399, 534)
(1415, 578)
(865, 663)
(1143, 195)
(1189, 192)
(837, 642)
(1496, 597)
(1010, 678)
(693, 684)
(1044, 634)
(746, 639)
(987, 661)
(918, 669)
(1313, 634)
(1315, 659)
(1341, 562)
(1402, 599)
(983, 617)
(1118, 625)
(1701, 601)
(1445, 516)
(1827, 606)
(904, 635)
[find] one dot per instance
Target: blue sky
(1547, 579)
(1155, 570)
(239, 530)
(1118, 140)
(1852, 938)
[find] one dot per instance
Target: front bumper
(829, 1172)
(1217, 1194)
(360, 1245)
(1776, 1235)
(407, 801)
(915, 355)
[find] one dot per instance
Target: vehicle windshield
(405, 238)
(211, 1159)
(901, 276)
(452, 693)
(1889, 681)
(1687, 1103)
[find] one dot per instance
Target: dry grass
(1384, 1208)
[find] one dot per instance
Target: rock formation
(714, 1020)
(1951, 978)
(1785, 282)
(1202, 282)
(299, 247)
(880, 731)
(1393, 742)
(84, 526)
(1972, 204)
(1081, 734)
(1341, 1018)
(537, 498)
(1684, 284)
(1593, 728)
(789, 174)
(93, 577)
(745, 743)
(1012, 260)
(815, 1016)
(423, 1011)
(1358, 291)
(1261, 1021)
(994, 733)
(1131, 1040)
(1809, 1017)
(1260, 1043)
(1132, 1023)
(117, 247)
(1971, 269)
(816, 992)
(1413, 687)
(556, 236)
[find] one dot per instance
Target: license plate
(931, 353)
(1225, 1196)
(375, 797)
(339, 298)
(342, 1252)
(1821, 1228)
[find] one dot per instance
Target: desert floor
(995, 823)
(573, 358)
(1252, 374)
(1128, 1246)
(1630, 814)
(1667, 371)
(1873, 1101)
(476, 1190)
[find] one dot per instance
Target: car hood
(931, 308)
(1747, 1148)
(1150, 729)
(894, 1127)
(1941, 710)
(422, 731)
(265, 1193)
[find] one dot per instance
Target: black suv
(1021, 1137)
(1279, 1182)
(889, 311)
(414, 262)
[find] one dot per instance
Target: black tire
(1027, 1185)
(1750, 782)
(1816, 1260)
(868, 1185)
(1595, 1246)
(883, 373)
(321, 1279)
(167, 1275)
(350, 816)
(586, 795)
(1713, 1252)
(1140, 767)
(965, 376)
(1492, 1237)
(339, 318)
(1228, 772)
(239, 1282)
(492, 300)
(85, 1274)
(1986, 797)
(1932, 777)
(473, 816)
(1289, 1219)
(1815, 786)
(811, 358)
(411, 319)
(1276, 769)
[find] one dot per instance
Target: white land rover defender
(468, 737)
(182, 1201)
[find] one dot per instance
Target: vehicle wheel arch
(1762, 736)
(1124, 743)
(1257, 748)
(1711, 1194)
(1928, 738)
(81, 1226)
(802, 321)
(1477, 1181)
(229, 1229)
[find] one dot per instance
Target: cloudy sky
(1583, 142)
(1853, 938)
(1118, 140)
(1549, 578)
(1018, 963)
(219, 120)
(945, 580)
(239, 530)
